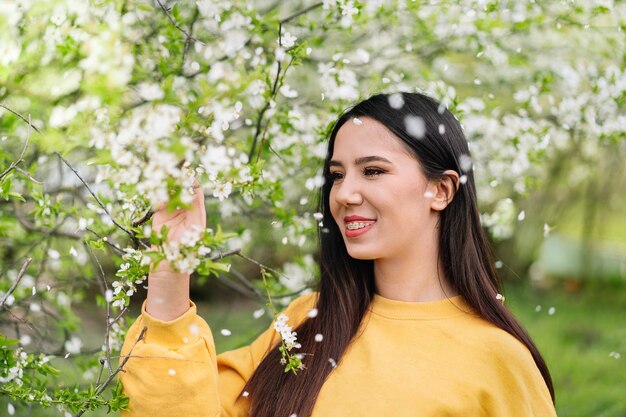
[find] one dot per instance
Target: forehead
(368, 136)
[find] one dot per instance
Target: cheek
(333, 205)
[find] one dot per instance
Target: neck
(417, 277)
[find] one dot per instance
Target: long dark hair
(346, 285)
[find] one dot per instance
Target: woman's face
(380, 198)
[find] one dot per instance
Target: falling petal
(172, 372)
(319, 337)
(463, 179)
(332, 362)
(465, 162)
(312, 313)
(225, 332)
(357, 121)
(396, 101)
(415, 126)
(442, 129)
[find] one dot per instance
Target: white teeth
(357, 225)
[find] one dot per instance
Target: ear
(443, 190)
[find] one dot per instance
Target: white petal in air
(319, 337)
(357, 121)
(442, 129)
(465, 162)
(415, 126)
(312, 313)
(396, 101)
(226, 332)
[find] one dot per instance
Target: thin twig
(171, 19)
(104, 288)
(257, 132)
(112, 375)
(14, 165)
(20, 116)
(260, 265)
(34, 245)
(147, 216)
(16, 282)
(30, 177)
(32, 228)
(106, 241)
(128, 232)
(301, 12)
(220, 255)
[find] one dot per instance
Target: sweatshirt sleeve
(520, 389)
(174, 370)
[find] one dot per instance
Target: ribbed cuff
(171, 334)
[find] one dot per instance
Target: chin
(363, 254)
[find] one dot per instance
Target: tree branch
(20, 116)
(112, 375)
(32, 228)
(128, 232)
(16, 282)
(104, 288)
(171, 19)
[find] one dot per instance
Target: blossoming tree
(110, 108)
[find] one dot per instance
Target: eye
(372, 172)
(335, 176)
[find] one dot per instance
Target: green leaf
(145, 7)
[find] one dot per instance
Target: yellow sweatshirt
(411, 359)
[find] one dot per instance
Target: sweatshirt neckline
(427, 310)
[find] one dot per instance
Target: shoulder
(503, 356)
(500, 345)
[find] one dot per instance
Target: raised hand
(182, 220)
(168, 290)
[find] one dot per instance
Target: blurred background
(124, 100)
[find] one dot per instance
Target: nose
(347, 192)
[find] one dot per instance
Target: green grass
(576, 342)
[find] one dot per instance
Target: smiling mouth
(357, 225)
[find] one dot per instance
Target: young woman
(409, 319)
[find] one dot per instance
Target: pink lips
(355, 233)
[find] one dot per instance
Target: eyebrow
(361, 160)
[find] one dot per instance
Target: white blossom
(73, 345)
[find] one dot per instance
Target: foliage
(111, 108)
(580, 336)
